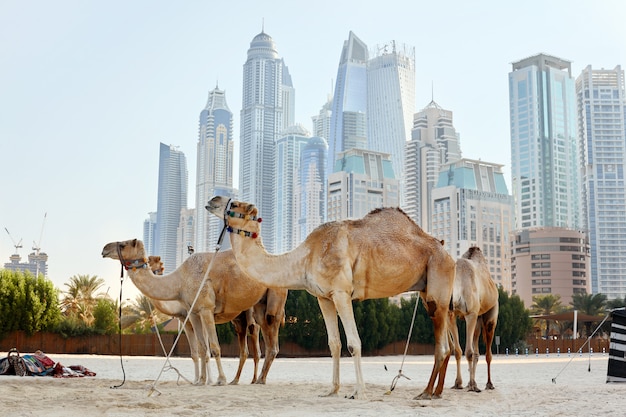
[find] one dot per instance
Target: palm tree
(545, 305)
(591, 304)
(80, 297)
(141, 315)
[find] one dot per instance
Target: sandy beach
(523, 384)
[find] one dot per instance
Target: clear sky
(88, 90)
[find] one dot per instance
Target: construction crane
(15, 245)
(37, 246)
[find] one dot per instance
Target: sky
(89, 89)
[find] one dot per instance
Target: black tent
(616, 371)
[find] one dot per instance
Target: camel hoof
(221, 382)
(424, 396)
(234, 382)
(259, 382)
(457, 385)
(329, 394)
(489, 386)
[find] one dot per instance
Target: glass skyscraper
(311, 202)
(348, 124)
(267, 109)
(172, 197)
(391, 102)
(545, 157)
(602, 130)
(289, 148)
(214, 172)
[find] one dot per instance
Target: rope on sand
(580, 349)
(406, 348)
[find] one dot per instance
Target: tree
(141, 316)
(514, 322)
(546, 305)
(80, 298)
(591, 304)
(105, 316)
(616, 303)
(304, 324)
(27, 303)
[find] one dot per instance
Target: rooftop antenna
(262, 25)
(432, 90)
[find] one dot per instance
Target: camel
(227, 293)
(475, 298)
(383, 254)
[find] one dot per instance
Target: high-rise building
(348, 126)
(289, 148)
(602, 131)
(149, 231)
(172, 198)
(549, 260)
(267, 109)
(214, 168)
(391, 102)
(434, 142)
(311, 192)
(472, 207)
(362, 181)
(545, 153)
(321, 122)
(186, 235)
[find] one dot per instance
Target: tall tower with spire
(348, 124)
(214, 172)
(267, 109)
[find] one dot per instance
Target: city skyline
(85, 105)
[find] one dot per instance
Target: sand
(523, 384)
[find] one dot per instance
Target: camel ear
(134, 243)
(442, 242)
(251, 209)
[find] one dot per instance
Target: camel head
(130, 253)
(240, 217)
(156, 265)
(474, 253)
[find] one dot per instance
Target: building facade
(214, 168)
(289, 148)
(172, 198)
(545, 153)
(311, 191)
(348, 126)
(549, 260)
(602, 131)
(267, 109)
(434, 142)
(185, 235)
(391, 102)
(362, 181)
(471, 206)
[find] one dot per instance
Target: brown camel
(244, 323)
(226, 294)
(383, 254)
(475, 298)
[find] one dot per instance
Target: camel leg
(454, 330)
(202, 349)
(193, 347)
(334, 342)
(440, 318)
(253, 329)
(343, 304)
(269, 328)
(490, 320)
(471, 349)
(208, 322)
(240, 328)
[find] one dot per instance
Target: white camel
(383, 254)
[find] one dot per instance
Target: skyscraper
(214, 172)
(602, 131)
(434, 142)
(311, 192)
(267, 108)
(391, 102)
(545, 157)
(348, 125)
(289, 148)
(172, 197)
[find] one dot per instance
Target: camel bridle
(130, 264)
(228, 213)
